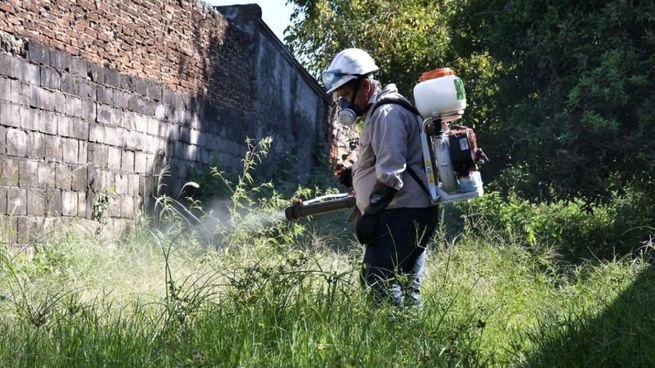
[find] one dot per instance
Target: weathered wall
(97, 97)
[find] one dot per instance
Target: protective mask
(348, 112)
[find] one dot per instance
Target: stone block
(82, 205)
(3, 201)
(10, 66)
(133, 184)
(127, 161)
(127, 207)
(87, 89)
(114, 206)
(140, 163)
(161, 111)
(173, 133)
(28, 174)
(122, 184)
(79, 67)
(140, 122)
(114, 158)
(97, 155)
(10, 114)
(60, 60)
(83, 152)
(37, 53)
(63, 177)
(135, 141)
(36, 202)
(53, 202)
(59, 101)
(79, 178)
(50, 78)
(6, 89)
(128, 120)
(9, 172)
(71, 150)
(112, 78)
(141, 86)
(41, 97)
(3, 141)
(69, 203)
(17, 201)
(105, 95)
(8, 228)
(30, 73)
(96, 73)
(46, 175)
(184, 135)
(89, 110)
(154, 92)
(40, 120)
(115, 136)
(135, 103)
(70, 84)
(97, 133)
(35, 145)
(30, 229)
(73, 127)
(73, 106)
(16, 142)
(54, 148)
(121, 99)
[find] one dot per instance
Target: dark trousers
(393, 262)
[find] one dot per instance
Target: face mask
(348, 112)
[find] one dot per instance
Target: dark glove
(379, 199)
(345, 175)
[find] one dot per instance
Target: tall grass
(262, 294)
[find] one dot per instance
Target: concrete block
(154, 127)
(154, 92)
(127, 207)
(128, 120)
(50, 78)
(104, 114)
(89, 110)
(60, 60)
(133, 185)
(36, 202)
(17, 201)
(173, 133)
(140, 163)
(10, 66)
(69, 203)
(53, 202)
(59, 101)
(114, 158)
(28, 174)
(105, 95)
(30, 73)
(161, 111)
(121, 99)
(73, 127)
(73, 106)
(44, 121)
(16, 142)
(115, 136)
(41, 97)
(8, 228)
(5, 89)
(114, 206)
(46, 175)
(82, 205)
(35, 145)
(87, 89)
(63, 177)
(3, 202)
(134, 141)
(127, 82)
(112, 78)
(96, 133)
(70, 84)
(54, 148)
(127, 161)
(79, 178)
(121, 183)
(96, 73)
(140, 122)
(71, 150)
(37, 53)
(10, 114)
(135, 102)
(97, 155)
(9, 172)
(83, 152)
(79, 67)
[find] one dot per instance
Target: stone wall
(96, 98)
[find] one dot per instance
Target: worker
(396, 217)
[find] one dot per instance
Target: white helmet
(346, 66)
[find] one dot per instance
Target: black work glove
(345, 175)
(379, 199)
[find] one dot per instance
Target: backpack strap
(407, 105)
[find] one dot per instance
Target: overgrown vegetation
(497, 293)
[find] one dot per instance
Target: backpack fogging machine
(451, 155)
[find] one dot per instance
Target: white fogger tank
(450, 152)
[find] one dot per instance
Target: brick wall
(97, 97)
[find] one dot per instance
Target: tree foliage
(560, 92)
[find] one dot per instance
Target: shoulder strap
(395, 100)
(406, 104)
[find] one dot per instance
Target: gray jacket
(389, 142)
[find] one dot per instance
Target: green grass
(167, 301)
